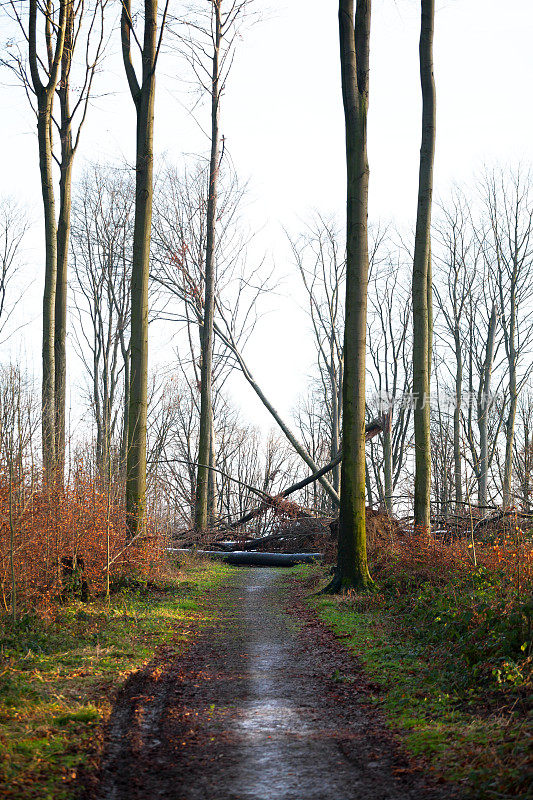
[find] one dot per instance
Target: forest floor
(60, 670)
(265, 704)
(226, 683)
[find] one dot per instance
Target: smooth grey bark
(421, 287)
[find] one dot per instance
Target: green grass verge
(456, 692)
(58, 678)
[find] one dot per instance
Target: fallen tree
(371, 429)
(253, 559)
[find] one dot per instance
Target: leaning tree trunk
(352, 569)
(143, 95)
(421, 275)
(229, 342)
(206, 375)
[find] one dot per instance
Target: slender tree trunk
(45, 96)
(63, 236)
(143, 96)
(483, 407)
(421, 274)
(124, 432)
(352, 569)
(509, 432)
(44, 111)
(60, 326)
(387, 468)
(457, 457)
(335, 430)
(526, 479)
(206, 376)
(211, 478)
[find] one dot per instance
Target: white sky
(283, 123)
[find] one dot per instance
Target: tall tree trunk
(206, 375)
(143, 97)
(45, 97)
(421, 275)
(63, 235)
(44, 106)
(352, 569)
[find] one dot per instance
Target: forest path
(256, 709)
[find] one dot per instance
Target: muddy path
(255, 710)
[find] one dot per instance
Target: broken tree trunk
(371, 429)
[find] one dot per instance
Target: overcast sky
(283, 123)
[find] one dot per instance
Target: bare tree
(84, 33)
(390, 373)
(18, 425)
(179, 269)
(53, 35)
(458, 260)
(322, 269)
(209, 48)
(102, 227)
(482, 345)
(13, 228)
(509, 207)
(523, 453)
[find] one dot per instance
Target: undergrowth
(448, 642)
(59, 673)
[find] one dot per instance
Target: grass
(58, 676)
(452, 663)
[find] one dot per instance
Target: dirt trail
(255, 710)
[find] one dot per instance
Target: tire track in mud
(253, 711)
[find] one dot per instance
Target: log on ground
(253, 559)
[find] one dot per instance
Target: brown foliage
(80, 521)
